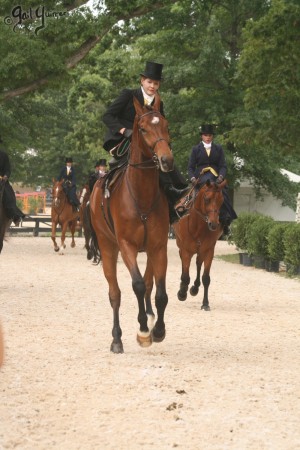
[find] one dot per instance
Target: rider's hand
(127, 133)
(220, 179)
(5, 177)
(194, 181)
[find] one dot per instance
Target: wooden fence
(36, 225)
(32, 202)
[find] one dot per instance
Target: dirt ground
(224, 379)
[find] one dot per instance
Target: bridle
(154, 162)
(200, 213)
(57, 203)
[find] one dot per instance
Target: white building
(245, 200)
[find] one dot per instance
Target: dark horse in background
(62, 214)
(4, 220)
(197, 234)
(84, 222)
(135, 218)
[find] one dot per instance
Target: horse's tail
(91, 242)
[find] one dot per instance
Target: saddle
(183, 206)
(110, 179)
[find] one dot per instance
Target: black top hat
(153, 71)
(100, 162)
(206, 129)
(69, 160)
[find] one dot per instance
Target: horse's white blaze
(155, 120)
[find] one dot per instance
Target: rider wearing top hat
(207, 162)
(67, 174)
(119, 118)
(100, 171)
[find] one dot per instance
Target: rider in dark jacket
(9, 197)
(119, 118)
(207, 162)
(67, 174)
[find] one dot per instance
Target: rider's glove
(127, 133)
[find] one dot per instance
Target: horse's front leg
(185, 274)
(129, 256)
(109, 262)
(195, 288)
(63, 237)
(73, 229)
(159, 265)
(148, 279)
(53, 236)
(206, 281)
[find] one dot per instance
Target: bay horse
(197, 234)
(4, 220)
(62, 214)
(135, 218)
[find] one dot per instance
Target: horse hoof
(194, 291)
(144, 340)
(181, 297)
(56, 249)
(158, 336)
(205, 307)
(116, 347)
(72, 245)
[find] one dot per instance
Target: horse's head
(208, 202)
(150, 131)
(57, 192)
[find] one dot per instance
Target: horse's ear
(156, 105)
(208, 183)
(53, 180)
(137, 106)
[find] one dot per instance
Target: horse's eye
(142, 130)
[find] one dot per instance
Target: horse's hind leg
(195, 288)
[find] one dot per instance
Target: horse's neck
(142, 173)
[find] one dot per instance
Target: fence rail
(36, 225)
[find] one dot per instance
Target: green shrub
(291, 242)
(240, 229)
(275, 242)
(258, 236)
(20, 203)
(33, 205)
